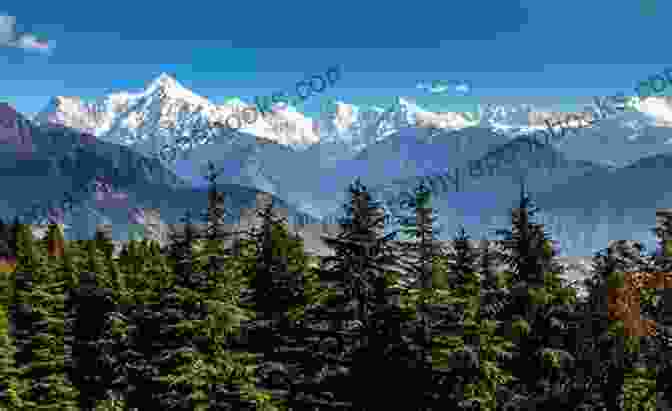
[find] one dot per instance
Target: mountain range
(51, 163)
(310, 163)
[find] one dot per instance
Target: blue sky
(535, 51)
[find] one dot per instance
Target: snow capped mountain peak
(164, 80)
(167, 86)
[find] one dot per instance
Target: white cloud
(9, 37)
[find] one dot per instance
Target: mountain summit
(163, 112)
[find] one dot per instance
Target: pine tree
(14, 235)
(494, 295)
(278, 285)
(362, 251)
(462, 261)
(663, 232)
(362, 256)
(5, 249)
(422, 228)
(215, 233)
(9, 398)
(39, 311)
(181, 253)
(27, 257)
(279, 264)
(525, 243)
(103, 242)
(94, 259)
(540, 306)
(92, 372)
(178, 340)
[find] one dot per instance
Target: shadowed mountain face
(57, 161)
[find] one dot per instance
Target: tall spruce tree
(181, 253)
(38, 310)
(362, 250)
(663, 233)
(5, 249)
(539, 305)
(419, 223)
(462, 261)
(104, 242)
(179, 339)
(9, 398)
(525, 244)
(215, 233)
(14, 235)
(494, 295)
(281, 290)
(27, 256)
(92, 372)
(363, 256)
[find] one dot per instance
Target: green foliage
(616, 280)
(45, 373)
(27, 256)
(521, 328)
(539, 296)
(560, 294)
(550, 359)
(188, 326)
(640, 390)
(8, 370)
(111, 405)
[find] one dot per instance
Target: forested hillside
(199, 326)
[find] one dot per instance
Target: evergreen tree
(180, 339)
(663, 232)
(27, 257)
(419, 254)
(94, 259)
(278, 284)
(362, 250)
(275, 278)
(215, 232)
(462, 262)
(538, 304)
(14, 235)
(181, 253)
(103, 242)
(5, 248)
(363, 255)
(9, 398)
(525, 243)
(39, 311)
(91, 372)
(494, 295)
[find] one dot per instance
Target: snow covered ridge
(165, 111)
(618, 103)
(282, 98)
(280, 102)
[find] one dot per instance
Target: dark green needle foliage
(39, 312)
(362, 334)
(9, 397)
(463, 260)
(281, 289)
(93, 367)
(418, 221)
(5, 235)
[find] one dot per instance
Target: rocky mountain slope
(398, 143)
(60, 160)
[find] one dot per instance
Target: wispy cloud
(9, 37)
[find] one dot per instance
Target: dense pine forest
(199, 326)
